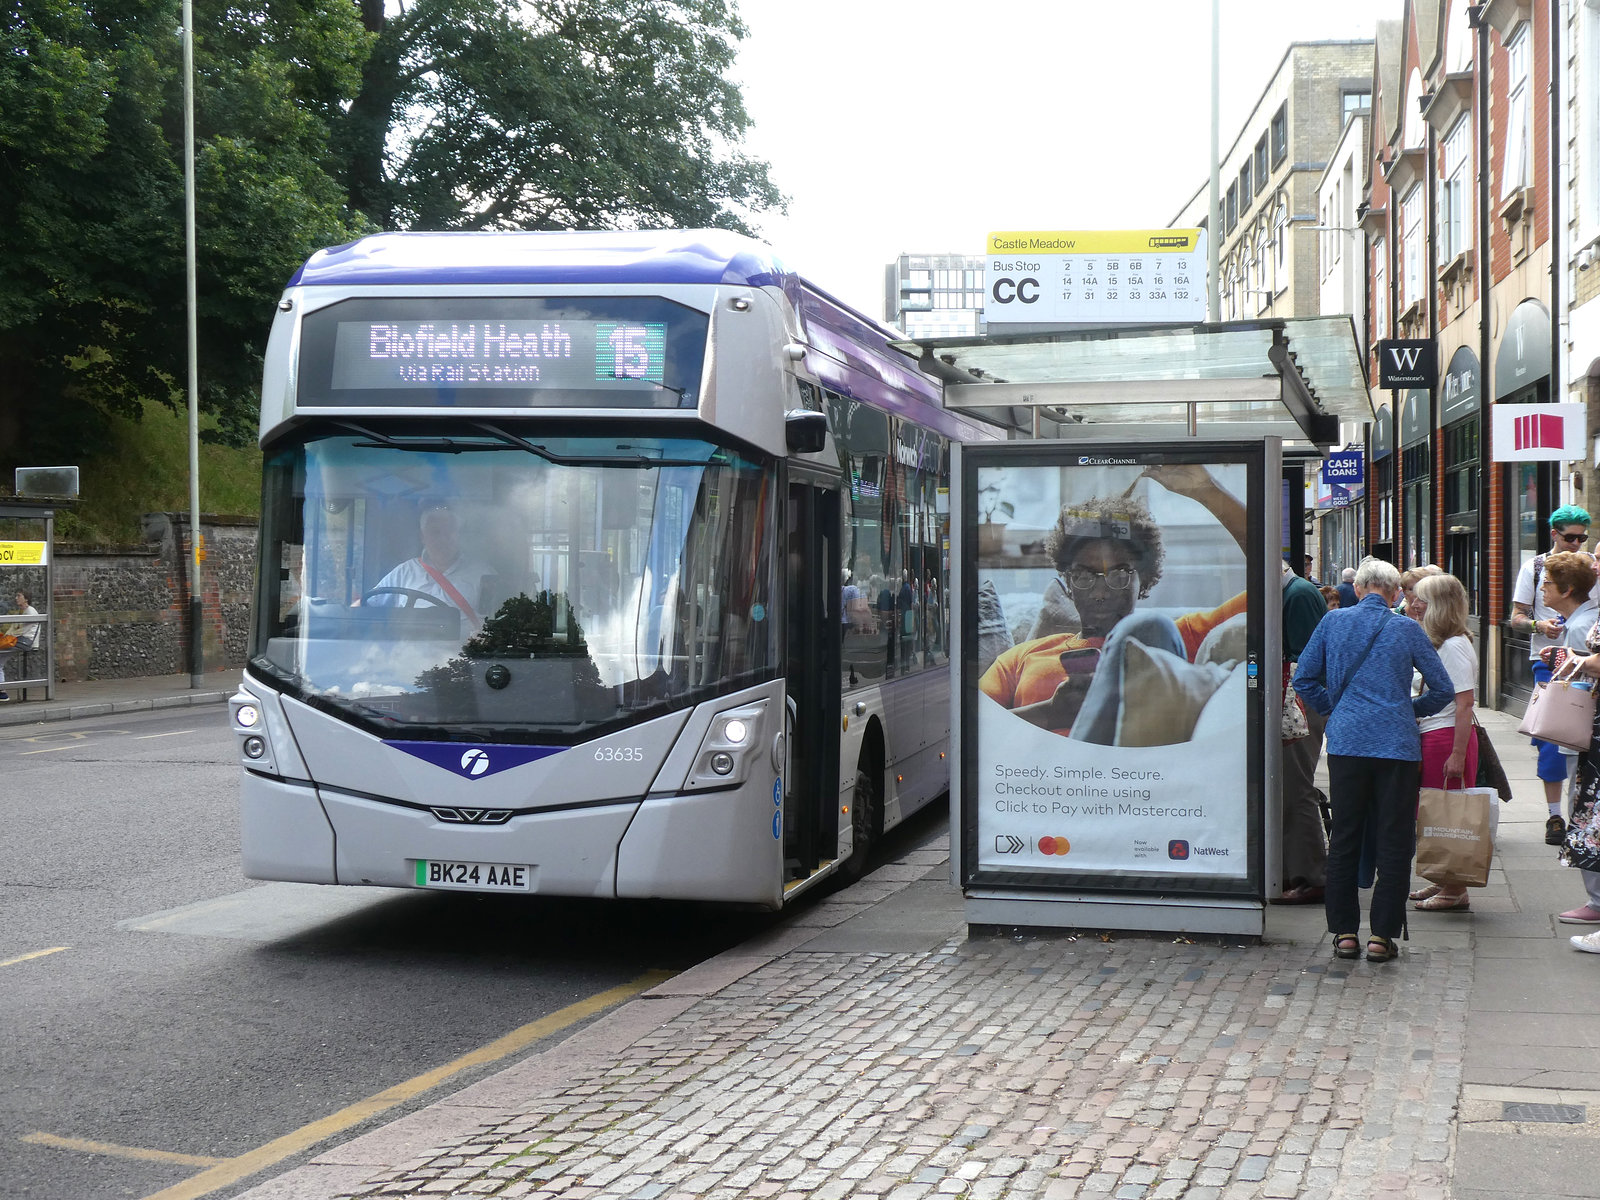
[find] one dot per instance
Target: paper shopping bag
(1561, 712)
(1455, 835)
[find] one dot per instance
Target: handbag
(1294, 725)
(1455, 835)
(1561, 712)
(8, 641)
(1491, 774)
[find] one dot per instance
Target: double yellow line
(220, 1173)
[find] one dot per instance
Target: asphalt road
(159, 1012)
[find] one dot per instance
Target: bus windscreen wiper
(589, 460)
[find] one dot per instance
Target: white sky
(917, 126)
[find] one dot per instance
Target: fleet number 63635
(618, 754)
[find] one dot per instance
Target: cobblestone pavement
(1030, 1066)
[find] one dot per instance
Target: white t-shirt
(465, 576)
(1461, 664)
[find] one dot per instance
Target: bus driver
(440, 571)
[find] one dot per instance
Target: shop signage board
(1407, 363)
(1131, 276)
(1117, 754)
(1539, 432)
(1342, 479)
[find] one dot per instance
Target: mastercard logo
(1054, 845)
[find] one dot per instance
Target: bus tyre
(863, 818)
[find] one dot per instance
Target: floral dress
(1582, 847)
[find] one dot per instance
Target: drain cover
(1551, 1114)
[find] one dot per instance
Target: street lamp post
(196, 601)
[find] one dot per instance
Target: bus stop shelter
(27, 543)
(1144, 791)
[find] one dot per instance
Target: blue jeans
(1097, 719)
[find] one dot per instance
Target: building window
(1230, 216)
(1245, 192)
(1418, 504)
(1261, 161)
(1383, 487)
(1280, 242)
(1352, 103)
(1455, 195)
(1461, 504)
(1380, 289)
(1280, 133)
(1411, 246)
(1518, 170)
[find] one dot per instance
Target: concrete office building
(1270, 176)
(935, 295)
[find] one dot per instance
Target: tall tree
(551, 114)
(92, 309)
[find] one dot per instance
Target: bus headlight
(250, 723)
(729, 746)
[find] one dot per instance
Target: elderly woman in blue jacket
(1356, 671)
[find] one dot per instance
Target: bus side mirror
(805, 431)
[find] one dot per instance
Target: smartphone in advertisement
(1080, 662)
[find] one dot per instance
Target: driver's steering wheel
(411, 594)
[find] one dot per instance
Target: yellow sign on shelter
(24, 554)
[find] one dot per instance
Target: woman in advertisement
(1108, 554)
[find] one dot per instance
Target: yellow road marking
(36, 954)
(145, 737)
(51, 750)
(88, 1147)
(248, 1163)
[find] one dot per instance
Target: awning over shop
(1297, 378)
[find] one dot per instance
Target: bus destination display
(398, 355)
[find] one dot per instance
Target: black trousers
(1381, 792)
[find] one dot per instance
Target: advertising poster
(1112, 669)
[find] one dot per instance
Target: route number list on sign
(1122, 276)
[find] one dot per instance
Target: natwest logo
(1178, 848)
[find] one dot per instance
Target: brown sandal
(1346, 945)
(1381, 949)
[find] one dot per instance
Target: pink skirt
(1436, 745)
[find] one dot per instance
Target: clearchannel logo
(1091, 460)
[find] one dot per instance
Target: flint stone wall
(121, 611)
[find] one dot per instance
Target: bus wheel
(863, 816)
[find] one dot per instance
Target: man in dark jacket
(1305, 853)
(1347, 589)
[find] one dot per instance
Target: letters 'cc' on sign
(1408, 363)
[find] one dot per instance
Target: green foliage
(316, 121)
(149, 472)
(561, 114)
(92, 309)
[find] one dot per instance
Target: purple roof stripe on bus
(661, 257)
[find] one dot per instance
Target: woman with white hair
(1356, 671)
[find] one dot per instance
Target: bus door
(813, 614)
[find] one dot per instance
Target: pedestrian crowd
(1385, 669)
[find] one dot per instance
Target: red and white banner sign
(1539, 432)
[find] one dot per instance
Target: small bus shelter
(27, 544)
(1117, 691)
